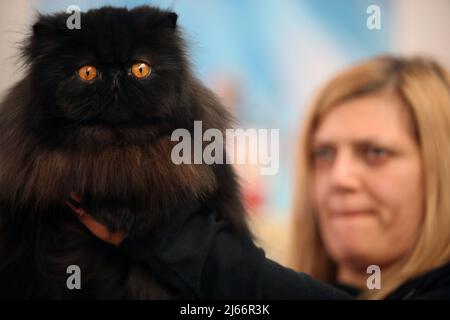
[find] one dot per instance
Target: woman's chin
(355, 239)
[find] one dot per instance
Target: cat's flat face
(123, 67)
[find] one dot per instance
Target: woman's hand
(96, 228)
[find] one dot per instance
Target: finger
(96, 228)
(74, 196)
(90, 223)
(116, 238)
(101, 231)
(78, 211)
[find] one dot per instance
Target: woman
(376, 188)
(373, 186)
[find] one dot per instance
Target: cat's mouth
(99, 135)
(117, 116)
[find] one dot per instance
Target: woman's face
(367, 181)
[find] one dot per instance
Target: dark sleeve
(202, 257)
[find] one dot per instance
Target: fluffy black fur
(108, 141)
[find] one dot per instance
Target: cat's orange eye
(87, 73)
(141, 70)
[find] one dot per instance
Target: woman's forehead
(367, 118)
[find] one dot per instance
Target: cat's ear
(172, 18)
(166, 20)
(44, 35)
(41, 28)
(46, 26)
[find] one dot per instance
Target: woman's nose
(344, 173)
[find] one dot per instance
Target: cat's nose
(115, 74)
(115, 78)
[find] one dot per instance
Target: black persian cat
(94, 115)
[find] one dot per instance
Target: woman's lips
(348, 213)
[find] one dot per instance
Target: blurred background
(266, 59)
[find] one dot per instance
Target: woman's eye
(376, 154)
(323, 154)
(141, 70)
(87, 73)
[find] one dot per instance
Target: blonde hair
(424, 87)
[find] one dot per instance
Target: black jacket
(432, 285)
(201, 257)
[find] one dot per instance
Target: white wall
(422, 27)
(15, 17)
